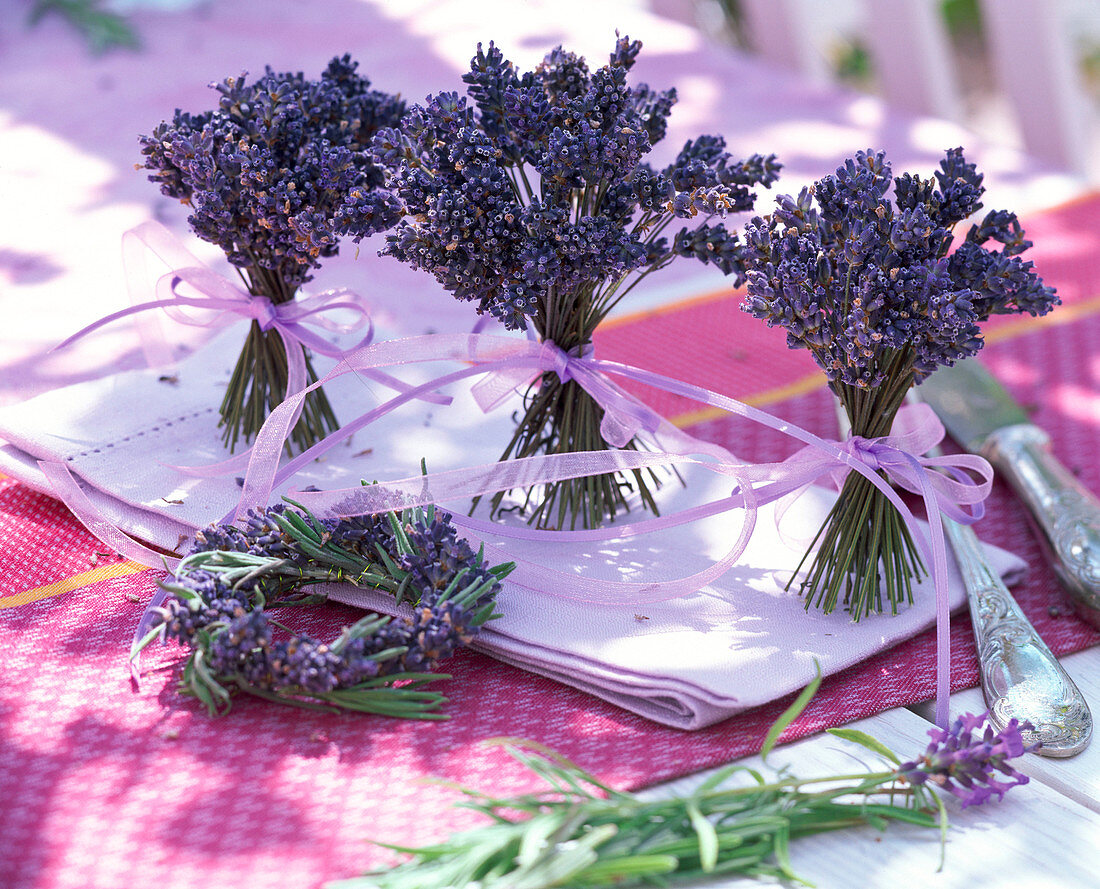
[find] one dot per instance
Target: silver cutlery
(983, 418)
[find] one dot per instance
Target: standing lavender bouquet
(873, 289)
(275, 175)
(535, 204)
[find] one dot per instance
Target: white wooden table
(1043, 834)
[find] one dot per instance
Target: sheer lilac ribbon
(516, 360)
(220, 302)
(917, 430)
(68, 491)
(509, 361)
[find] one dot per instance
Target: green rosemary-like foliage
(102, 28)
(222, 593)
(581, 832)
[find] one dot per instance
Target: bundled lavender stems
(874, 290)
(581, 832)
(534, 202)
(275, 175)
(223, 588)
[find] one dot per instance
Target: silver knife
(1020, 675)
(983, 418)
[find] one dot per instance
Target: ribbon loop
(190, 284)
(552, 359)
(894, 459)
(623, 415)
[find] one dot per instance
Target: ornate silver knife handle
(1065, 511)
(1020, 676)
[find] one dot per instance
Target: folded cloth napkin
(687, 662)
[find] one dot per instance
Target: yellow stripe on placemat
(1006, 331)
(1061, 315)
(68, 584)
(808, 383)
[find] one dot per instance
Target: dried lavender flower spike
(581, 832)
(275, 175)
(966, 764)
(531, 198)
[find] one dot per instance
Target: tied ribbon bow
(193, 285)
(623, 416)
(196, 286)
(916, 431)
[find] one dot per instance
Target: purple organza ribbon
(68, 491)
(192, 285)
(511, 362)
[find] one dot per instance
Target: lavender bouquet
(534, 202)
(223, 590)
(275, 175)
(581, 832)
(881, 294)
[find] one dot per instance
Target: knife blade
(984, 418)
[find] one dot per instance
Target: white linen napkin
(687, 662)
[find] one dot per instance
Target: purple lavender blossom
(536, 187)
(276, 175)
(859, 278)
(280, 170)
(966, 764)
(220, 599)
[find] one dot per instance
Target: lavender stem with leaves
(581, 832)
(275, 176)
(881, 294)
(535, 203)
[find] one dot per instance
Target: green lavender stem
(221, 593)
(258, 385)
(562, 418)
(581, 832)
(864, 552)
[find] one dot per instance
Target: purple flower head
(221, 592)
(967, 764)
(859, 277)
(282, 168)
(538, 189)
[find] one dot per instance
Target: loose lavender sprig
(963, 762)
(582, 832)
(275, 176)
(881, 294)
(532, 199)
(233, 575)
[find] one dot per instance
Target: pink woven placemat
(107, 788)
